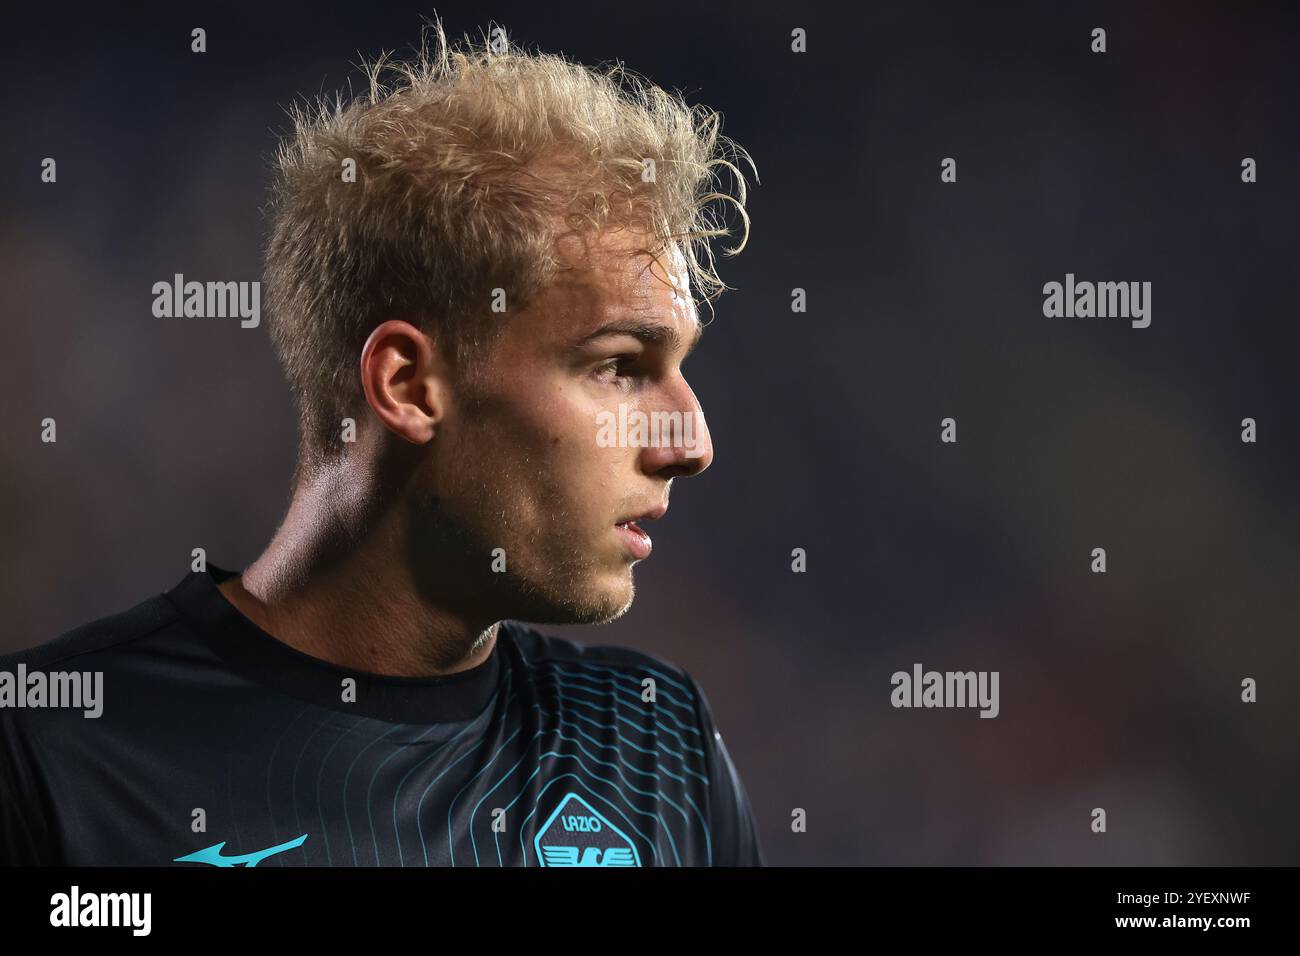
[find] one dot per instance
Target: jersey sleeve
(733, 833)
(24, 834)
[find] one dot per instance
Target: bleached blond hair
(469, 161)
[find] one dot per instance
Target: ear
(404, 378)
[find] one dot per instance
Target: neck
(333, 584)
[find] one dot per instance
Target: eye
(614, 370)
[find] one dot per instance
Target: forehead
(616, 275)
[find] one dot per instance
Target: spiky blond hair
(469, 160)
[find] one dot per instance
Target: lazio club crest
(576, 835)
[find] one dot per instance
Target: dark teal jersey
(216, 744)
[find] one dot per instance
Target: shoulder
(96, 639)
(545, 653)
(48, 689)
(45, 694)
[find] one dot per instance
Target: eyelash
(615, 365)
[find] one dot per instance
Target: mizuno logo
(213, 856)
(576, 835)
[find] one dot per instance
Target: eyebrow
(650, 333)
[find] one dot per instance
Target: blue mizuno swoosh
(213, 856)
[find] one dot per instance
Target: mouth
(638, 543)
(635, 538)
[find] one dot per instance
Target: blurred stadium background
(924, 301)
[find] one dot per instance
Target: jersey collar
(265, 659)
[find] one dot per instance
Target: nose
(684, 447)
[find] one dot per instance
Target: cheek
(562, 425)
(540, 451)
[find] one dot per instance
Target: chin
(599, 603)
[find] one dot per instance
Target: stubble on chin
(548, 577)
(567, 586)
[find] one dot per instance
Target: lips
(635, 538)
(653, 514)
